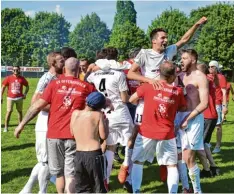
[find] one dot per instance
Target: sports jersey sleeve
(90, 78)
(47, 94)
(222, 81)
(140, 58)
(141, 91)
(5, 82)
(41, 84)
(122, 83)
(171, 51)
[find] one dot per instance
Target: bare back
(193, 83)
(85, 128)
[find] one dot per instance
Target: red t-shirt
(160, 107)
(132, 84)
(15, 85)
(64, 96)
(218, 93)
(210, 112)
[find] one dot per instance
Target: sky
(74, 10)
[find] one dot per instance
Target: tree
(125, 12)
(49, 31)
(126, 37)
(174, 22)
(16, 46)
(216, 39)
(89, 36)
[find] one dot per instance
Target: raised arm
(32, 112)
(133, 73)
(190, 32)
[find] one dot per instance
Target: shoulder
(75, 113)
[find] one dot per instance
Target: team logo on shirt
(67, 101)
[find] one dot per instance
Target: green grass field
(18, 158)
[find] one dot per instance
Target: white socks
(172, 179)
(194, 174)
(110, 157)
(137, 173)
(128, 156)
(183, 174)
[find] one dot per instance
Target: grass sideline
(18, 158)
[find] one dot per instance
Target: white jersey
(42, 119)
(111, 83)
(149, 60)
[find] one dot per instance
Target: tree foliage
(16, 45)
(174, 22)
(49, 31)
(89, 36)
(125, 12)
(127, 37)
(216, 39)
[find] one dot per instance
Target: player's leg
(139, 156)
(10, 104)
(166, 152)
(219, 130)
(19, 108)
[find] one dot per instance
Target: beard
(58, 70)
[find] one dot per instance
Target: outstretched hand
(202, 20)
(156, 84)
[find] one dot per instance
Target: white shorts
(145, 149)
(41, 146)
(180, 116)
(139, 113)
(42, 121)
(192, 136)
(119, 133)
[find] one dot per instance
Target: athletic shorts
(90, 171)
(219, 112)
(139, 113)
(119, 133)
(209, 126)
(61, 154)
(145, 149)
(192, 136)
(41, 146)
(18, 103)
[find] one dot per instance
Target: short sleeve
(122, 83)
(5, 81)
(90, 78)
(141, 91)
(47, 94)
(140, 58)
(222, 81)
(171, 51)
(42, 84)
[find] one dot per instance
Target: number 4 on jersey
(102, 86)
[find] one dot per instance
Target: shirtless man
(196, 86)
(89, 160)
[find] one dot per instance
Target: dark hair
(167, 69)
(107, 53)
(154, 32)
(16, 66)
(192, 52)
(133, 53)
(68, 52)
(204, 68)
